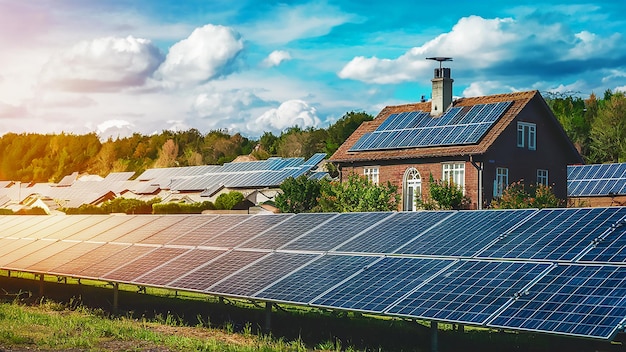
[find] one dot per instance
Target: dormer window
(527, 135)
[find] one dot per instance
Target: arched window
(412, 189)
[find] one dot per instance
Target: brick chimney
(442, 88)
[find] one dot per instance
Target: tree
(444, 195)
(608, 132)
(299, 195)
(167, 155)
(517, 196)
(358, 194)
(226, 201)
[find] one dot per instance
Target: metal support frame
(268, 316)
(41, 285)
(434, 338)
(116, 293)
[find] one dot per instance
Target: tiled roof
(519, 101)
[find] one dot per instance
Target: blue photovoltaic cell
(454, 127)
(260, 274)
(555, 234)
(333, 233)
(465, 233)
(245, 230)
(610, 249)
(288, 230)
(315, 278)
(596, 180)
(380, 285)
(585, 301)
(394, 232)
(468, 291)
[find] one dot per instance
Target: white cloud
(289, 23)
(275, 58)
(290, 113)
(209, 52)
(482, 40)
(103, 64)
(589, 44)
(114, 129)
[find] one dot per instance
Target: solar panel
(115, 260)
(303, 285)
(118, 226)
(465, 233)
(245, 230)
(216, 270)
(555, 234)
(381, 284)
(135, 268)
(48, 249)
(208, 230)
(457, 126)
(610, 248)
(333, 233)
(468, 292)
(23, 249)
(34, 229)
(575, 300)
(178, 267)
(67, 229)
(394, 232)
(169, 234)
(155, 224)
(260, 274)
(596, 180)
(73, 267)
(49, 264)
(287, 231)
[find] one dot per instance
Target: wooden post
(434, 330)
(41, 290)
(268, 316)
(116, 292)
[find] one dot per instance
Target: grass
(52, 325)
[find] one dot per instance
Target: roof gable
(517, 102)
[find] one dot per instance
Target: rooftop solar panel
(575, 300)
(245, 230)
(260, 274)
(330, 235)
(394, 232)
(457, 126)
(465, 233)
(468, 292)
(555, 234)
(178, 267)
(381, 284)
(596, 180)
(216, 270)
(288, 230)
(303, 285)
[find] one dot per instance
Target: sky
(143, 66)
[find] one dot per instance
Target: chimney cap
(439, 58)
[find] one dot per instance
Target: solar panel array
(558, 271)
(457, 126)
(596, 180)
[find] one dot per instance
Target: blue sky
(118, 67)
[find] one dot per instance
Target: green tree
(608, 132)
(343, 128)
(226, 201)
(298, 195)
(358, 194)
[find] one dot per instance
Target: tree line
(31, 157)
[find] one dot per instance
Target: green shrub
(226, 201)
(182, 208)
(4, 211)
(517, 196)
(299, 195)
(444, 195)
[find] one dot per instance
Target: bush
(226, 201)
(299, 195)
(517, 196)
(4, 211)
(444, 195)
(117, 205)
(31, 211)
(357, 194)
(182, 208)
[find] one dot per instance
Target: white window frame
(542, 177)
(501, 182)
(372, 174)
(454, 172)
(527, 135)
(412, 190)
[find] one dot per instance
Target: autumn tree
(167, 154)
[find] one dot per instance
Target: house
(482, 144)
(597, 185)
